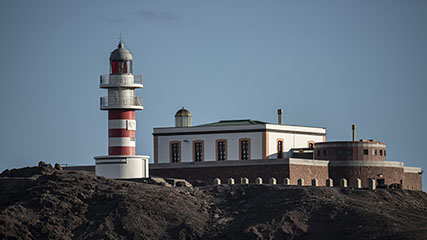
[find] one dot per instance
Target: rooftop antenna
(353, 127)
(279, 116)
(121, 44)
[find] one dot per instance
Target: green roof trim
(233, 123)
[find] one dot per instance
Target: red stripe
(121, 114)
(121, 151)
(120, 133)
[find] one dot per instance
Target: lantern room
(121, 60)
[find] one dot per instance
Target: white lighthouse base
(122, 166)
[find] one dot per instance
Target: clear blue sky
(326, 63)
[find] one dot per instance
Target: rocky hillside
(47, 203)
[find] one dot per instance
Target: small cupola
(120, 60)
(183, 118)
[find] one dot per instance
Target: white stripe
(365, 163)
(309, 162)
(121, 142)
(412, 169)
(122, 124)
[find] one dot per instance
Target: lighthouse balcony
(121, 103)
(120, 80)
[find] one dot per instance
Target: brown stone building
(366, 159)
(352, 160)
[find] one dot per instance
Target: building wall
(207, 175)
(266, 169)
(307, 173)
(412, 181)
(209, 141)
(353, 151)
(290, 140)
(263, 140)
(389, 174)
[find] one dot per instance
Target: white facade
(122, 167)
(262, 140)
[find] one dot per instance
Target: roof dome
(121, 53)
(183, 113)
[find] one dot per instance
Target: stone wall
(208, 174)
(307, 173)
(389, 174)
(412, 181)
(294, 169)
(251, 169)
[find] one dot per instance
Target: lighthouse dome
(183, 118)
(121, 53)
(183, 113)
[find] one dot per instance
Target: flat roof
(236, 126)
(232, 122)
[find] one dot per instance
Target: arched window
(245, 148)
(310, 144)
(279, 148)
(175, 152)
(198, 151)
(221, 149)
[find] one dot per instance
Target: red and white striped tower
(121, 104)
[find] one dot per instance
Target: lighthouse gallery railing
(132, 101)
(120, 79)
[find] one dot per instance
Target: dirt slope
(44, 203)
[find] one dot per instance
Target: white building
(230, 140)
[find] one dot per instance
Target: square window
(339, 152)
(349, 152)
(374, 152)
(365, 152)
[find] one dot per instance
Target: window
(339, 151)
(349, 152)
(325, 152)
(374, 152)
(365, 152)
(381, 152)
(221, 146)
(198, 151)
(280, 149)
(318, 152)
(175, 152)
(384, 152)
(245, 149)
(120, 67)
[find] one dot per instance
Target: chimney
(353, 127)
(279, 116)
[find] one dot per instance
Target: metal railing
(120, 79)
(133, 101)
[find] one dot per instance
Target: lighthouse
(121, 104)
